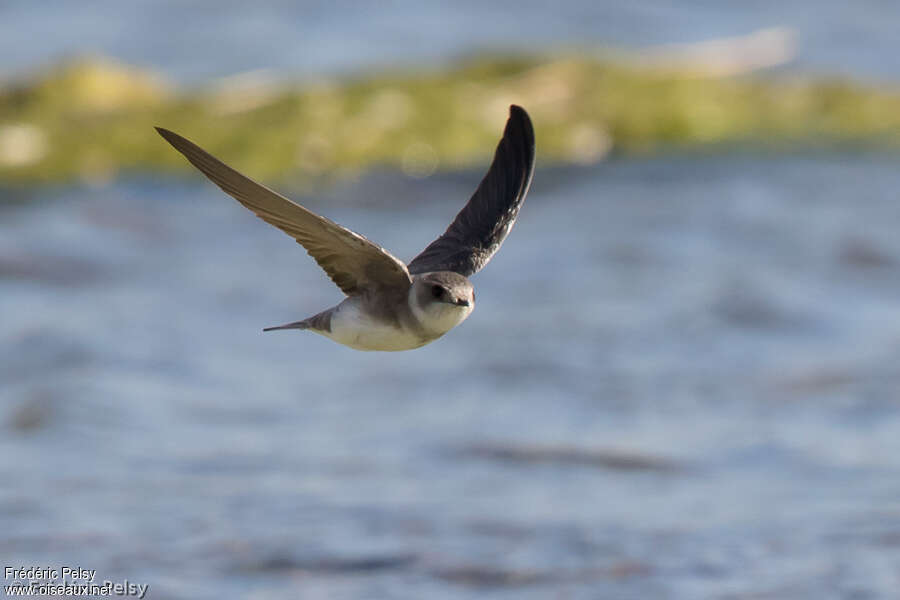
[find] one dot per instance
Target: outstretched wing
(484, 222)
(354, 263)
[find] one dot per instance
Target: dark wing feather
(481, 226)
(354, 263)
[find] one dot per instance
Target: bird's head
(441, 300)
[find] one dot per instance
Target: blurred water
(680, 381)
(195, 40)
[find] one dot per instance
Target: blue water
(680, 381)
(193, 41)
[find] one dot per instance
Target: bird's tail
(318, 323)
(304, 324)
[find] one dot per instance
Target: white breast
(351, 327)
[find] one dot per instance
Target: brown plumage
(390, 306)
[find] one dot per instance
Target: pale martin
(391, 305)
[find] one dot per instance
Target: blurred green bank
(92, 119)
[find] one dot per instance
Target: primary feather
(479, 229)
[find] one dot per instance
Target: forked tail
(319, 322)
(304, 324)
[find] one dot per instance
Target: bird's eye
(437, 291)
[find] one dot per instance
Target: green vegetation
(89, 120)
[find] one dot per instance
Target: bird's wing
(354, 263)
(484, 222)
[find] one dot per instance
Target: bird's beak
(461, 302)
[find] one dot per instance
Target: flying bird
(391, 305)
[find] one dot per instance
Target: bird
(390, 305)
